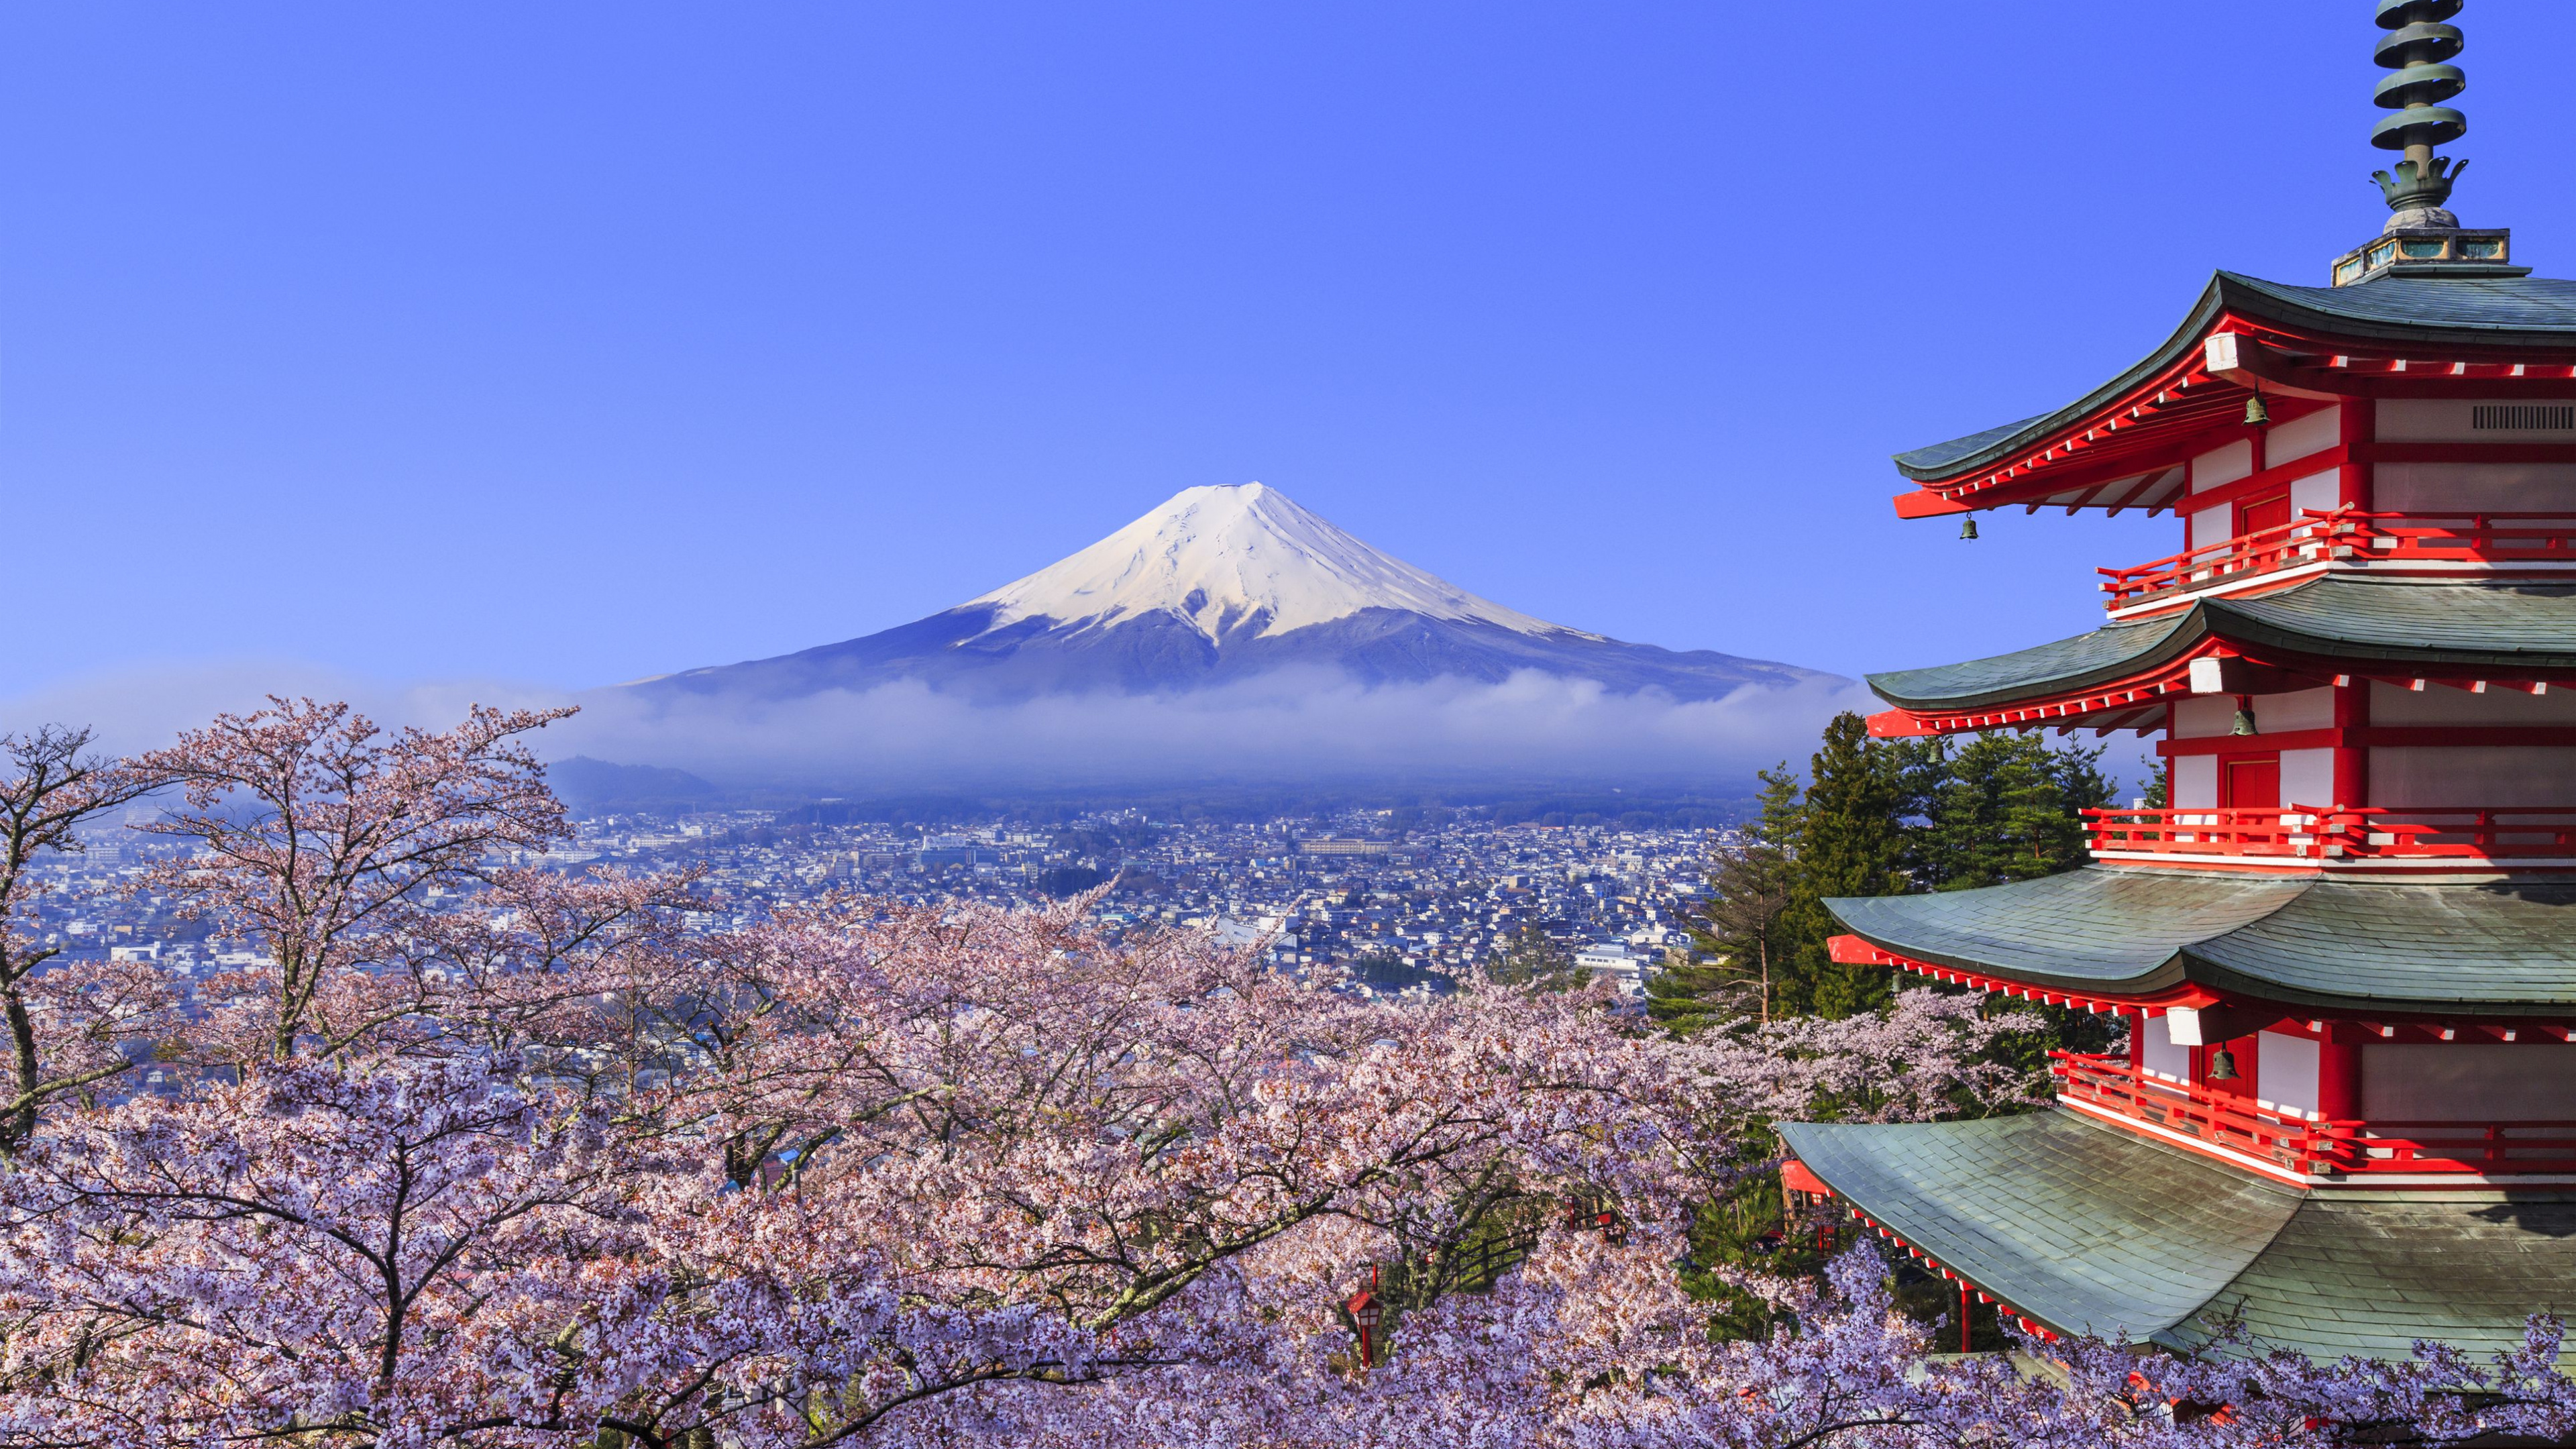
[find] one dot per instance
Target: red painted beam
(1924, 503)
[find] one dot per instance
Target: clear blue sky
(566, 343)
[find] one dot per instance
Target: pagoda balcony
(2310, 1147)
(2295, 835)
(2347, 537)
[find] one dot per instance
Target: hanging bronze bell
(1967, 528)
(2222, 1065)
(2256, 415)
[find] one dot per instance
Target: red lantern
(1365, 1313)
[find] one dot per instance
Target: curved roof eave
(2529, 628)
(1981, 450)
(2542, 310)
(2492, 950)
(2180, 637)
(2086, 1227)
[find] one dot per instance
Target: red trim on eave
(2182, 410)
(2041, 1330)
(1799, 1177)
(1848, 950)
(1924, 503)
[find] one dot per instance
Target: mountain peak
(1237, 560)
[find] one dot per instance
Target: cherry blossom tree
(916, 1173)
(66, 1027)
(529, 1166)
(1930, 1054)
(314, 827)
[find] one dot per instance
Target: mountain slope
(1220, 584)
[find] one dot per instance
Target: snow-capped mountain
(1239, 561)
(1219, 584)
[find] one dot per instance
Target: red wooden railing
(2349, 533)
(2338, 832)
(2313, 1148)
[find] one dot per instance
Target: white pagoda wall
(2485, 775)
(2466, 1081)
(2287, 1076)
(2475, 487)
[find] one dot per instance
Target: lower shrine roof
(2486, 948)
(2496, 626)
(2089, 1229)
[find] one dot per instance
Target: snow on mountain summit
(1235, 561)
(1218, 586)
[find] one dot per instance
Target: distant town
(1404, 899)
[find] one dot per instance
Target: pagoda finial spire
(2422, 238)
(2417, 48)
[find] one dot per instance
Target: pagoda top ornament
(2422, 238)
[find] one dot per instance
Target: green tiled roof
(2468, 625)
(2492, 623)
(2484, 311)
(2100, 657)
(2496, 949)
(2090, 1229)
(2436, 308)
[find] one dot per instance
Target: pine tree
(1853, 840)
(2006, 808)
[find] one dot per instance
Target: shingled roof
(2089, 1229)
(2482, 312)
(2500, 626)
(2498, 949)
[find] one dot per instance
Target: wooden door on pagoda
(2261, 513)
(2250, 783)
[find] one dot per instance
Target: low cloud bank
(1292, 726)
(1289, 726)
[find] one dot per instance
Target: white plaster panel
(2285, 1073)
(2195, 782)
(2319, 491)
(2474, 487)
(2199, 716)
(2297, 438)
(2450, 420)
(2437, 704)
(2307, 777)
(2159, 1054)
(2467, 1082)
(2304, 709)
(2212, 525)
(2221, 466)
(2486, 775)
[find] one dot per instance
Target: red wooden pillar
(2338, 1077)
(1964, 1302)
(2358, 427)
(2170, 801)
(2351, 755)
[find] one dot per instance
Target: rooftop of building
(2516, 628)
(2090, 1229)
(2434, 313)
(2492, 950)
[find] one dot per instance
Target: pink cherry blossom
(527, 1166)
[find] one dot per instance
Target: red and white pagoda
(2346, 946)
